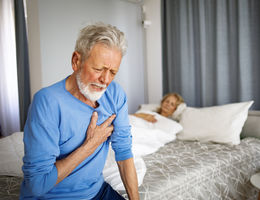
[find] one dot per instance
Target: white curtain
(9, 103)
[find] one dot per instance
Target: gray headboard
(252, 125)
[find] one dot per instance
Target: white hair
(100, 33)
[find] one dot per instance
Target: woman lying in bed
(168, 105)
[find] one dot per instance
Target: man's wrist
(86, 149)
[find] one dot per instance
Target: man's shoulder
(114, 87)
(50, 92)
(115, 94)
(115, 91)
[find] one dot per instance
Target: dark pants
(107, 193)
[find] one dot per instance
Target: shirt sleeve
(41, 142)
(121, 138)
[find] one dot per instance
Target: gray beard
(85, 90)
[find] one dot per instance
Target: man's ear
(76, 61)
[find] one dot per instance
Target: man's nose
(105, 77)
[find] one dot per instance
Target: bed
(190, 169)
(185, 169)
(194, 170)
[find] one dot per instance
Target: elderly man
(71, 123)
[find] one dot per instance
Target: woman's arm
(145, 116)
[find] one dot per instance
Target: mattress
(10, 187)
(194, 170)
(188, 170)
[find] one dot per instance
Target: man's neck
(72, 86)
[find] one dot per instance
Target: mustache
(99, 85)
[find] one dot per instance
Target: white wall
(152, 14)
(53, 26)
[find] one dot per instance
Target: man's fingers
(110, 129)
(93, 122)
(108, 121)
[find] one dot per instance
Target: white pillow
(178, 112)
(11, 155)
(154, 107)
(221, 124)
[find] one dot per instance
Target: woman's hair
(100, 33)
(176, 95)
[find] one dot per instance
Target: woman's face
(169, 105)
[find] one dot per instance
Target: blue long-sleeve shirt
(56, 126)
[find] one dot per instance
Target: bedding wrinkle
(208, 171)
